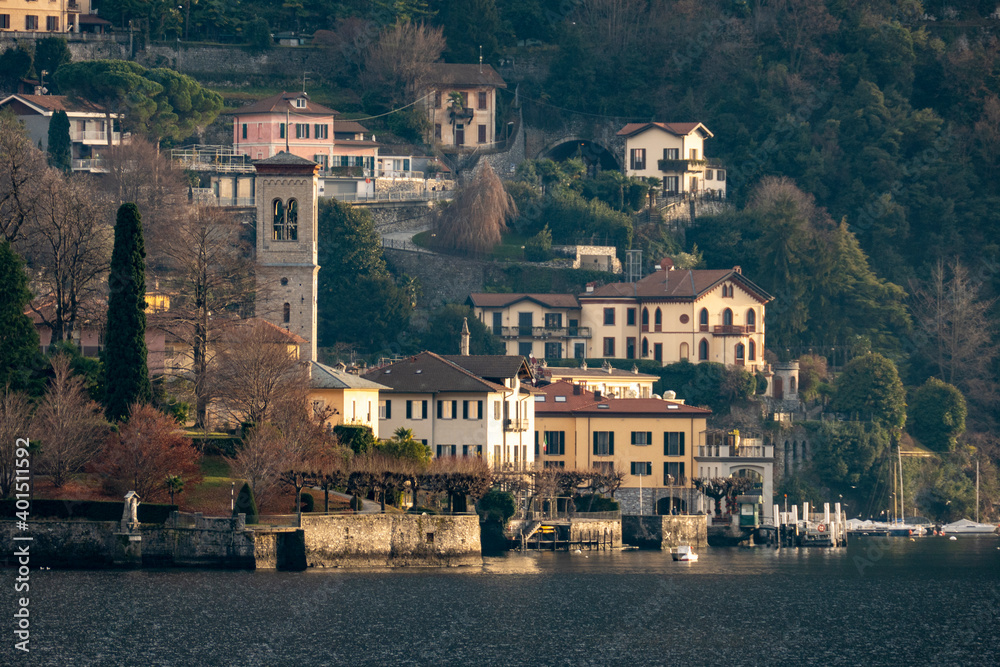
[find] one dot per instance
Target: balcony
(674, 166)
(94, 165)
(543, 333)
(747, 451)
(515, 425)
(731, 330)
(95, 137)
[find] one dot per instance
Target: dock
(812, 529)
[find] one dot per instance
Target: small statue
(130, 513)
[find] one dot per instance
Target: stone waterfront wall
(664, 532)
(629, 499)
(78, 544)
(596, 529)
(391, 540)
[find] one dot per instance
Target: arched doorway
(779, 391)
(670, 505)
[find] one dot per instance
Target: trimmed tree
(937, 415)
(60, 155)
(870, 390)
(125, 370)
(18, 338)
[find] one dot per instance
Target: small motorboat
(684, 553)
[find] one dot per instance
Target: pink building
(293, 123)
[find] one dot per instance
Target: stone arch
(596, 156)
(666, 504)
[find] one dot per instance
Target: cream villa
(653, 441)
(674, 153)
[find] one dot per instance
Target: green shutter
(680, 444)
(595, 443)
(388, 409)
(611, 443)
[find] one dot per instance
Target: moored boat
(964, 526)
(684, 552)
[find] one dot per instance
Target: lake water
(880, 601)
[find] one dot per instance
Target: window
(751, 320)
(321, 131)
(673, 443)
(645, 319)
(284, 220)
(278, 220)
(5, 21)
(658, 352)
(482, 101)
(673, 474)
(727, 317)
(604, 467)
(300, 103)
(459, 135)
(302, 130)
(52, 23)
(658, 320)
(555, 443)
(244, 131)
(281, 130)
(637, 158)
(671, 184)
(472, 409)
(609, 347)
(693, 153)
(671, 153)
(292, 219)
(645, 348)
(447, 409)
(708, 175)
(720, 175)
(472, 450)
(752, 354)
(630, 317)
(437, 99)
(609, 316)
(286, 313)
(465, 100)
(630, 348)
(554, 464)
(385, 409)
(642, 438)
(703, 319)
(437, 131)
(481, 131)
(419, 413)
(579, 350)
(685, 351)
(553, 320)
(553, 351)
(497, 323)
(31, 23)
(740, 352)
(447, 450)
(703, 350)
(642, 468)
(604, 443)
(524, 349)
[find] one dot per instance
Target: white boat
(684, 552)
(965, 527)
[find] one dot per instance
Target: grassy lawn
(511, 245)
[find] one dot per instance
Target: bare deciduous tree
(474, 221)
(69, 426)
(399, 60)
(258, 372)
(260, 461)
(15, 417)
(22, 166)
(69, 247)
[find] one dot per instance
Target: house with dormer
(675, 154)
(88, 125)
(461, 405)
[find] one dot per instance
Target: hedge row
(94, 510)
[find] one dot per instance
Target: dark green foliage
(246, 504)
(258, 36)
(182, 106)
(708, 384)
(125, 371)
(444, 332)
(15, 64)
(936, 415)
(410, 124)
(845, 454)
(60, 151)
(541, 280)
(798, 489)
(308, 502)
(91, 510)
(539, 247)
(595, 503)
(50, 54)
(464, 36)
(359, 303)
(359, 439)
(357, 504)
(18, 339)
(869, 389)
(498, 505)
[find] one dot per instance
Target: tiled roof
(289, 337)
(678, 285)
(596, 373)
(585, 403)
(282, 103)
(352, 126)
(428, 373)
(492, 367)
(57, 103)
(284, 158)
(482, 300)
(678, 129)
(460, 74)
(325, 377)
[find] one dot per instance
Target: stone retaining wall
(596, 529)
(664, 532)
(391, 540)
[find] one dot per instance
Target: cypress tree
(246, 504)
(18, 338)
(60, 155)
(125, 372)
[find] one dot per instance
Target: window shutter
(480, 409)
(409, 409)
(680, 444)
(595, 443)
(465, 409)
(440, 408)
(424, 409)
(454, 409)
(666, 443)
(611, 443)
(649, 437)
(388, 409)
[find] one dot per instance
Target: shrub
(539, 247)
(595, 503)
(356, 503)
(497, 504)
(246, 504)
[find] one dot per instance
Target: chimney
(597, 394)
(577, 390)
(667, 264)
(590, 287)
(465, 337)
(738, 269)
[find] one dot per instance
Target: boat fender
(821, 528)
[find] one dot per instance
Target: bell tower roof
(286, 163)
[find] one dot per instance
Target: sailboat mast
(902, 507)
(977, 490)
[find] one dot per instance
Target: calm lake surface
(880, 601)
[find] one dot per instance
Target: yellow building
(460, 101)
(607, 380)
(58, 16)
(653, 441)
(546, 326)
(345, 398)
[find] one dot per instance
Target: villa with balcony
(675, 154)
(88, 125)
(739, 453)
(534, 325)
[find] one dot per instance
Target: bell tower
(287, 192)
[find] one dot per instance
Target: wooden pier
(560, 536)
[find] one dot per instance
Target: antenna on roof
(304, 77)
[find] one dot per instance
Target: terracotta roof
(57, 103)
(352, 126)
(462, 74)
(678, 129)
(585, 403)
(430, 373)
(281, 103)
(325, 377)
(482, 300)
(493, 367)
(678, 285)
(290, 337)
(557, 373)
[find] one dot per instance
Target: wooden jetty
(812, 529)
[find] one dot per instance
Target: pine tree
(60, 155)
(18, 338)
(126, 373)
